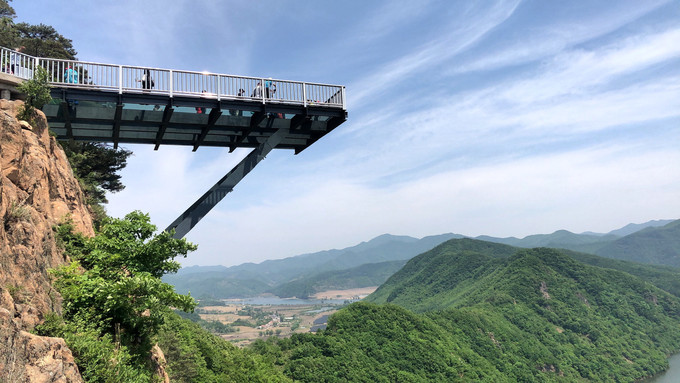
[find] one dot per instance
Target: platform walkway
(142, 105)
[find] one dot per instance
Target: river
(672, 375)
(273, 300)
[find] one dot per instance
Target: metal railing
(135, 79)
(17, 63)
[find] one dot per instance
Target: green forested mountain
(559, 239)
(302, 275)
(655, 245)
(437, 278)
(251, 279)
(215, 285)
(461, 261)
(635, 227)
(194, 355)
(664, 277)
(370, 274)
(477, 311)
(588, 242)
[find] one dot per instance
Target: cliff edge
(37, 191)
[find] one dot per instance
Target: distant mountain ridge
(654, 245)
(251, 279)
(300, 275)
(635, 227)
(470, 310)
(445, 276)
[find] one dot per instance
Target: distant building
(320, 323)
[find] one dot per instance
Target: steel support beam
(254, 122)
(298, 120)
(185, 222)
(116, 125)
(66, 112)
(215, 113)
(330, 125)
(167, 113)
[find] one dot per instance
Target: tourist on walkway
(147, 81)
(269, 88)
(70, 76)
(15, 61)
(257, 92)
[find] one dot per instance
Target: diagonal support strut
(185, 222)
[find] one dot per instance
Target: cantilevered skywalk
(122, 104)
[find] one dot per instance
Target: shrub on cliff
(114, 285)
(37, 91)
(96, 166)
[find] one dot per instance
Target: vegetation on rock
(96, 166)
(113, 285)
(37, 91)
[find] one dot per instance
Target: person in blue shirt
(70, 76)
(269, 88)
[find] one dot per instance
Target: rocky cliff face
(37, 191)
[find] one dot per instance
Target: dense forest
(478, 311)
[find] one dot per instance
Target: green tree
(44, 41)
(8, 34)
(97, 165)
(37, 91)
(6, 10)
(115, 280)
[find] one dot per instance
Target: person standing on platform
(147, 81)
(15, 61)
(257, 92)
(269, 88)
(70, 76)
(238, 112)
(200, 109)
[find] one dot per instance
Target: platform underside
(147, 118)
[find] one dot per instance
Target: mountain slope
(251, 279)
(491, 312)
(655, 245)
(295, 275)
(635, 227)
(434, 279)
(559, 239)
(370, 274)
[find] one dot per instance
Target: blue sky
(505, 118)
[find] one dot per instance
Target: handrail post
(219, 92)
(262, 90)
(304, 94)
(171, 83)
(120, 79)
(344, 107)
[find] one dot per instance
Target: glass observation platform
(122, 104)
(185, 121)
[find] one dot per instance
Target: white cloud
(458, 36)
(537, 40)
(567, 98)
(578, 72)
(515, 198)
